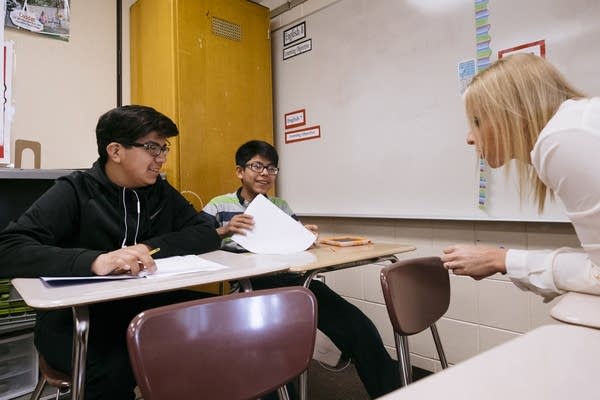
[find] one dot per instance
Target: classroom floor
(327, 384)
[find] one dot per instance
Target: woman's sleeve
(568, 163)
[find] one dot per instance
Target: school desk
(330, 258)
(579, 309)
(552, 362)
(79, 296)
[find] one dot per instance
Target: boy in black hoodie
(105, 221)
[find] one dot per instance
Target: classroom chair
(233, 347)
(417, 294)
(52, 377)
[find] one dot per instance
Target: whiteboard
(381, 82)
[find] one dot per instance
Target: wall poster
(46, 17)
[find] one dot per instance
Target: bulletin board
(380, 80)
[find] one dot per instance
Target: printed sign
(26, 20)
(295, 119)
(294, 34)
(297, 49)
(466, 72)
(312, 132)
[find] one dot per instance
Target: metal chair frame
(417, 294)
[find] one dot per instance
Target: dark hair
(126, 124)
(255, 148)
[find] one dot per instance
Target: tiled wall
(482, 314)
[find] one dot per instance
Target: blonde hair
(515, 98)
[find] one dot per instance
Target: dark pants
(108, 371)
(351, 331)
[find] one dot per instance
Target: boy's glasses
(154, 149)
(259, 168)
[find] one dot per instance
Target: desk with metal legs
(330, 258)
(78, 296)
(242, 266)
(333, 258)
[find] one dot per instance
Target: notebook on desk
(345, 241)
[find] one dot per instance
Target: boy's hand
(238, 224)
(313, 228)
(128, 260)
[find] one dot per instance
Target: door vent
(226, 29)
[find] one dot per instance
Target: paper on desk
(164, 267)
(274, 231)
(184, 264)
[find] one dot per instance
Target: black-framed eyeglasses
(154, 149)
(260, 167)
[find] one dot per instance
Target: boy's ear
(239, 171)
(113, 150)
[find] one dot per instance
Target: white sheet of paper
(274, 231)
(164, 267)
(184, 264)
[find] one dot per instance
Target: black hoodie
(83, 215)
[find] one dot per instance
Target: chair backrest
(35, 147)
(239, 346)
(416, 292)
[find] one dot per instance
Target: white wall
(61, 88)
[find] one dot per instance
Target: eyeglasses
(259, 168)
(153, 148)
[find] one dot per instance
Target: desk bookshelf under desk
(19, 188)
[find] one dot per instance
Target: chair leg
(403, 359)
(303, 383)
(282, 393)
(38, 388)
(438, 346)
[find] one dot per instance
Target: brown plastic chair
(239, 346)
(417, 294)
(52, 377)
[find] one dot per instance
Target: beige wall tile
(347, 282)
(372, 283)
(422, 344)
(418, 233)
(459, 339)
(463, 299)
(446, 233)
(506, 234)
(540, 311)
(503, 305)
(422, 362)
(492, 337)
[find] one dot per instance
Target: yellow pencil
(154, 251)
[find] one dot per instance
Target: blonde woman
(522, 108)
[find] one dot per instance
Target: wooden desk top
(332, 256)
(579, 309)
(37, 295)
(552, 362)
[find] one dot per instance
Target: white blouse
(566, 157)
